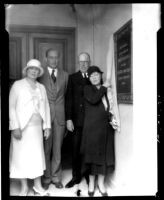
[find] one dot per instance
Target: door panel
(17, 55)
(41, 45)
(15, 58)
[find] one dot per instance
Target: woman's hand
(47, 133)
(70, 125)
(114, 124)
(107, 83)
(17, 133)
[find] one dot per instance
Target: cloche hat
(92, 69)
(33, 63)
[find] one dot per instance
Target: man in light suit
(55, 81)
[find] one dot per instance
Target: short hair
(85, 54)
(51, 49)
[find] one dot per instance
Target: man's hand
(70, 125)
(17, 133)
(47, 133)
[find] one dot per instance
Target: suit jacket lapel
(47, 77)
(59, 78)
(80, 79)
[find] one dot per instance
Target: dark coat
(75, 98)
(97, 145)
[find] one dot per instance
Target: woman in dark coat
(97, 145)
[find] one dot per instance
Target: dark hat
(92, 69)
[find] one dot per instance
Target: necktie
(85, 76)
(53, 76)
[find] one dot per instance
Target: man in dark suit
(55, 81)
(75, 113)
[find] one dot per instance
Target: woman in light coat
(29, 114)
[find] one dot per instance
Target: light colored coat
(21, 105)
(56, 94)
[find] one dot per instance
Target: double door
(26, 42)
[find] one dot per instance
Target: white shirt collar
(50, 71)
(86, 74)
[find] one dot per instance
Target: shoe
(91, 194)
(36, 191)
(58, 185)
(72, 182)
(104, 194)
(45, 185)
(46, 181)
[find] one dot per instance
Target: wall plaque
(123, 61)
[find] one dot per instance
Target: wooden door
(28, 42)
